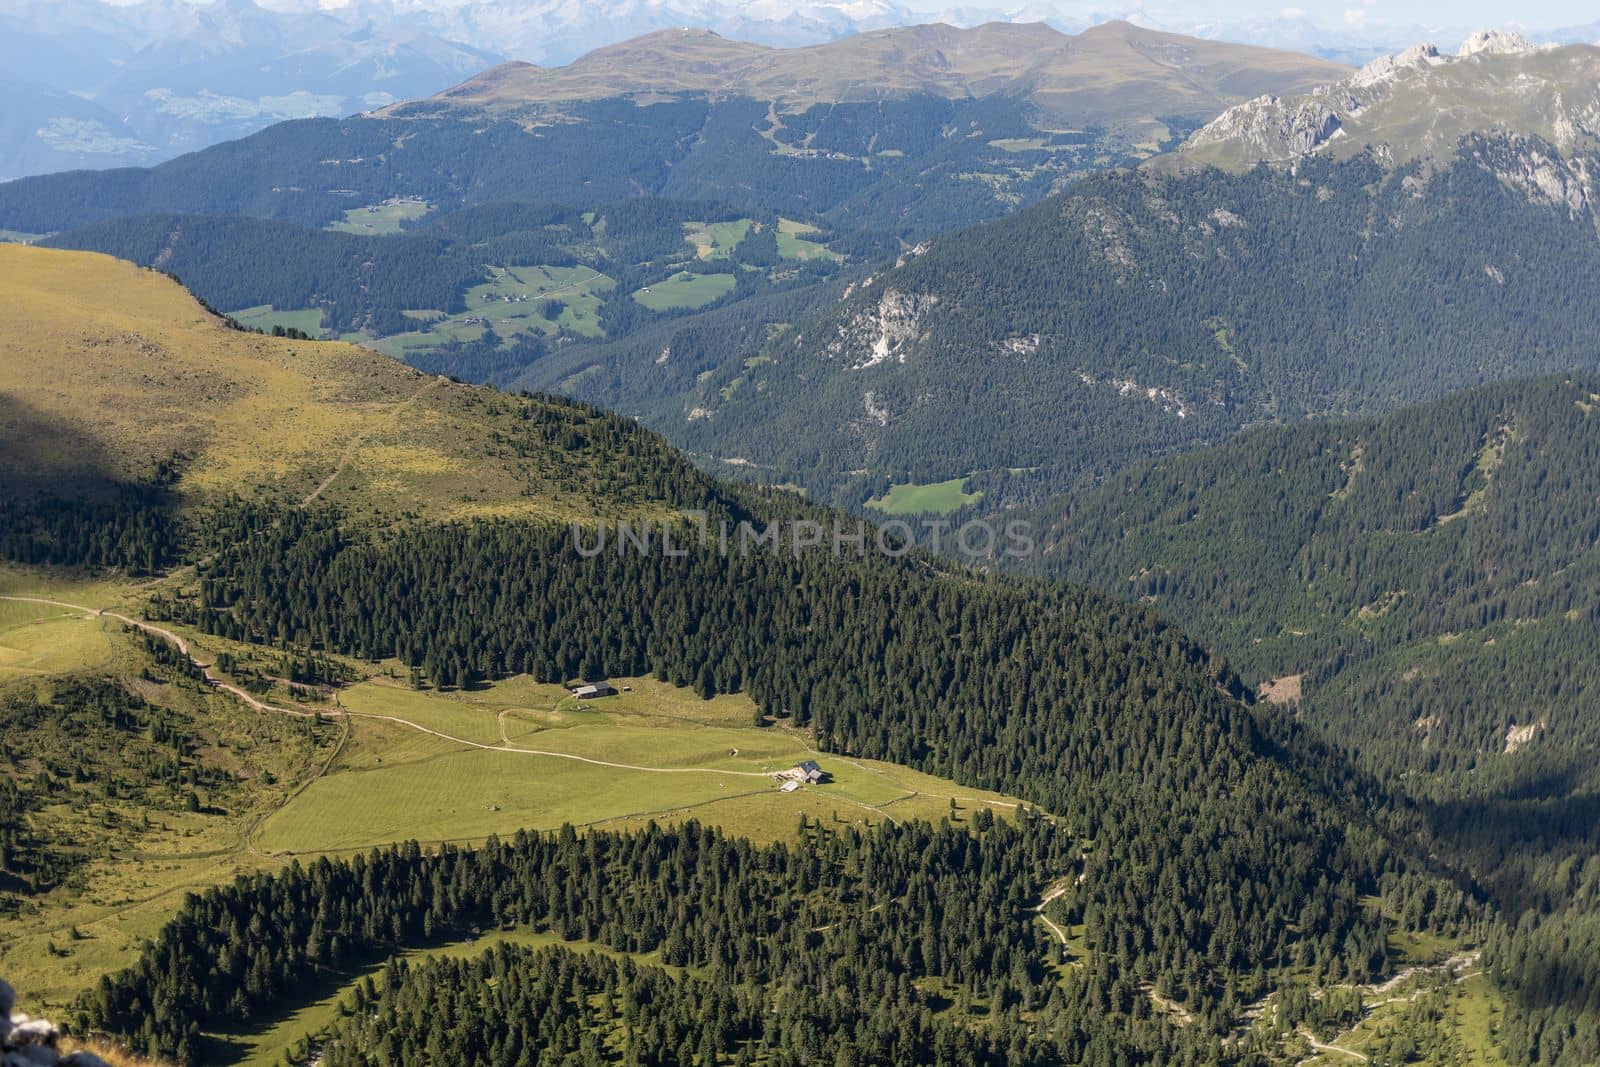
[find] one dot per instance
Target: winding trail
(356, 442)
(1044, 902)
(177, 642)
(1311, 1039)
(506, 747)
(1458, 967)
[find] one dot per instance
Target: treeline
(512, 1005)
(133, 530)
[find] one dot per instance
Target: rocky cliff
(1419, 103)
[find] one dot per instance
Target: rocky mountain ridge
(1418, 104)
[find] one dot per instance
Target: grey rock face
(28, 1042)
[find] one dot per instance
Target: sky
(1331, 13)
(1342, 15)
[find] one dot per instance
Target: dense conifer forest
(778, 944)
(1426, 581)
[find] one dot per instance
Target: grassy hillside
(142, 384)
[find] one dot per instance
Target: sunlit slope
(1110, 73)
(110, 373)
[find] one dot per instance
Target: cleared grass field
(936, 497)
(264, 317)
(652, 752)
(38, 640)
(793, 243)
(716, 240)
(382, 219)
(685, 290)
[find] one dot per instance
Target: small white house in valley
(594, 690)
(806, 772)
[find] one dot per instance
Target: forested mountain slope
(1430, 573)
(927, 154)
(1421, 588)
(1139, 314)
(329, 514)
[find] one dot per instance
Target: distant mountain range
(93, 83)
(681, 169)
(1138, 314)
(911, 130)
(1112, 75)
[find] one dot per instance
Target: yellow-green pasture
(460, 766)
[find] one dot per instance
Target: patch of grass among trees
(685, 290)
(935, 497)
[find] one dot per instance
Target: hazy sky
(1475, 13)
(1354, 14)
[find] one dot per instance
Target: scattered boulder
(28, 1042)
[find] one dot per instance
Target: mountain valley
(485, 580)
